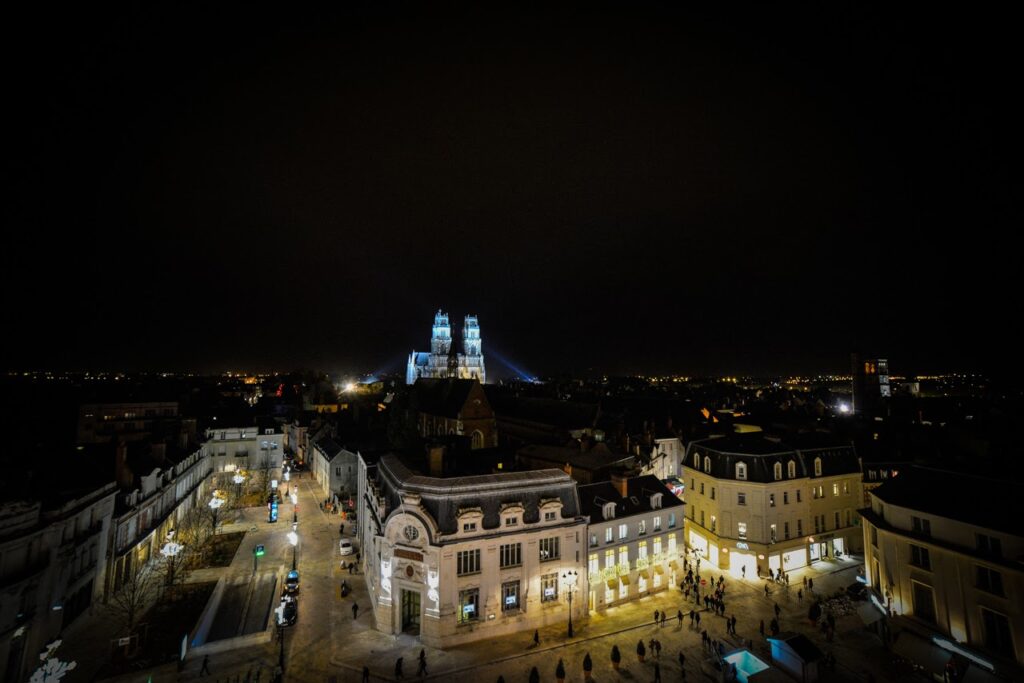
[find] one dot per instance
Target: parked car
(345, 547)
(288, 612)
(291, 583)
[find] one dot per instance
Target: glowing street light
(293, 538)
(569, 582)
(215, 505)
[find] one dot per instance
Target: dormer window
(817, 467)
(707, 464)
(608, 510)
(656, 501)
(511, 520)
(741, 470)
(696, 461)
(778, 471)
(791, 469)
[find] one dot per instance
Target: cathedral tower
(445, 358)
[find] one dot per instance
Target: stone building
(444, 360)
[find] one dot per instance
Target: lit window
(641, 527)
(510, 596)
(714, 523)
(742, 530)
(791, 469)
(774, 533)
(657, 523)
(778, 471)
(549, 549)
(707, 464)
(468, 602)
(609, 558)
(817, 467)
(641, 550)
(623, 531)
(593, 563)
(608, 535)
(835, 488)
(741, 471)
(549, 586)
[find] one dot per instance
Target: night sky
(643, 192)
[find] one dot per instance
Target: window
(791, 469)
(593, 540)
(696, 461)
(798, 496)
(874, 536)
(468, 562)
(817, 525)
(741, 499)
(997, 633)
(657, 545)
(777, 468)
(671, 520)
(593, 563)
(988, 545)
(671, 543)
(712, 493)
(742, 530)
(608, 534)
(924, 602)
(741, 470)
(509, 596)
(785, 530)
(989, 580)
(702, 488)
(656, 501)
(549, 516)
(707, 464)
(836, 519)
(714, 522)
(609, 558)
(623, 531)
(921, 526)
(773, 531)
(549, 549)
(511, 555)
(785, 497)
(468, 603)
(771, 500)
(817, 467)
(469, 526)
(624, 557)
(549, 586)
(511, 521)
(835, 488)
(799, 527)
(641, 550)
(641, 527)
(702, 518)
(846, 488)
(657, 523)
(919, 557)
(608, 511)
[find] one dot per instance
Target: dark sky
(644, 192)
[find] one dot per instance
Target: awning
(644, 573)
(922, 652)
(613, 584)
(869, 613)
(624, 579)
(660, 569)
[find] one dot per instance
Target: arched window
(792, 469)
(696, 461)
(707, 464)
(817, 467)
(778, 471)
(478, 439)
(741, 470)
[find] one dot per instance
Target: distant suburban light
(351, 386)
(844, 407)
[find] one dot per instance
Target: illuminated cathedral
(444, 359)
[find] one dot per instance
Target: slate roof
(546, 411)
(327, 446)
(444, 397)
(639, 490)
(920, 488)
(443, 497)
(760, 455)
(598, 457)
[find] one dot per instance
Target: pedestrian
(743, 571)
(761, 628)
(734, 624)
(682, 659)
(422, 671)
(366, 674)
(810, 584)
(663, 618)
(343, 528)
(766, 590)
(656, 614)
(786, 577)
(536, 637)
(657, 673)
(657, 648)
(206, 666)
(778, 610)
(679, 615)
(698, 619)
(398, 669)
(800, 594)
(355, 610)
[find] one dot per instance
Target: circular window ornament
(411, 533)
(409, 571)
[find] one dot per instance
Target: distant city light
(844, 408)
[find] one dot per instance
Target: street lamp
(215, 504)
(569, 582)
(293, 538)
(170, 550)
(239, 479)
(295, 506)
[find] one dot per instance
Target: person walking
(810, 584)
(422, 671)
(682, 659)
(743, 571)
(766, 590)
(536, 637)
(656, 614)
(206, 666)
(691, 617)
(398, 669)
(366, 674)
(805, 582)
(355, 610)
(761, 628)
(679, 615)
(657, 673)
(663, 618)
(698, 619)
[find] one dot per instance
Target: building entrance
(411, 612)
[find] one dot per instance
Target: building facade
(443, 360)
(755, 503)
(949, 574)
(666, 458)
(334, 468)
(444, 407)
(246, 448)
(634, 539)
(460, 559)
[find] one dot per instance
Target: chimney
(619, 481)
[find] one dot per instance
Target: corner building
(458, 559)
(755, 502)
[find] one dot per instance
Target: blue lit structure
(443, 360)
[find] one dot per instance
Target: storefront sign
(742, 546)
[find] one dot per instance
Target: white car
(345, 547)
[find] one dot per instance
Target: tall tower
(441, 340)
(472, 346)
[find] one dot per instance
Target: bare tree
(129, 601)
(261, 475)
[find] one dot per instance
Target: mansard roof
(760, 454)
(637, 500)
(444, 497)
(444, 397)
